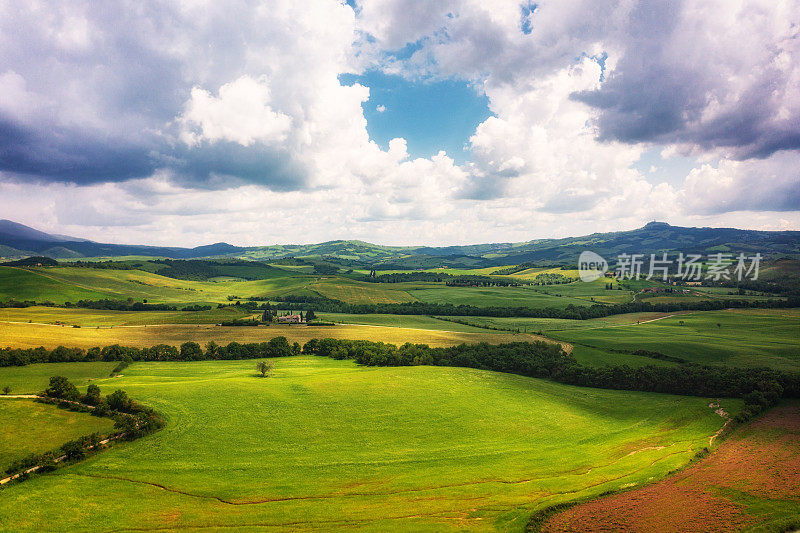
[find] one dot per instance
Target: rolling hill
(17, 240)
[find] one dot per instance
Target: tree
(267, 316)
(74, 450)
(191, 351)
(265, 367)
(310, 315)
(296, 348)
(278, 347)
(92, 395)
(6, 390)
(60, 387)
(119, 401)
(212, 349)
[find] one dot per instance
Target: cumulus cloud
(241, 114)
(208, 120)
(706, 75)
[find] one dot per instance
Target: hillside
(17, 240)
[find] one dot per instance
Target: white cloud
(233, 117)
(241, 114)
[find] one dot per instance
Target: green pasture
(590, 292)
(326, 444)
(22, 284)
(400, 321)
(492, 296)
(737, 337)
(31, 379)
(29, 427)
(543, 325)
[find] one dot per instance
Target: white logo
(591, 266)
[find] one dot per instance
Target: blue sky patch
(432, 115)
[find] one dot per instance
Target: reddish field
(752, 479)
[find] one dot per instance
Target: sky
(397, 121)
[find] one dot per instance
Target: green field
(401, 321)
(31, 379)
(737, 337)
(553, 324)
(21, 284)
(328, 444)
(30, 427)
(492, 296)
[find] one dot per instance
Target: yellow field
(33, 335)
(101, 317)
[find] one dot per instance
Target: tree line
(188, 351)
(572, 312)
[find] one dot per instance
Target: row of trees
(571, 312)
(188, 351)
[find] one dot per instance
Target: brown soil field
(752, 480)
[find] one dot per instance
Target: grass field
(750, 483)
(327, 444)
(355, 292)
(30, 427)
(31, 379)
(493, 296)
(554, 324)
(739, 337)
(401, 321)
(20, 284)
(71, 284)
(23, 335)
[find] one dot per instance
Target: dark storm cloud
(69, 156)
(674, 85)
(103, 86)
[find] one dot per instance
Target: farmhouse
(290, 319)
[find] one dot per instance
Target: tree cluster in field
(130, 417)
(481, 281)
(101, 265)
(188, 351)
(120, 305)
(759, 387)
(571, 312)
(404, 277)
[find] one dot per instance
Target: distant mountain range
(18, 241)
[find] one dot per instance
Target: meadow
(31, 379)
(401, 321)
(493, 296)
(328, 444)
(33, 428)
(736, 337)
